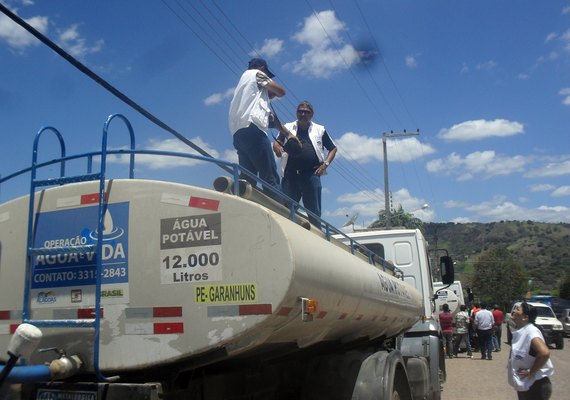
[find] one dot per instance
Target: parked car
(564, 317)
(552, 328)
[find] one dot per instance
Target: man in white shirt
(484, 322)
(249, 122)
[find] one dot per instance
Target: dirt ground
(476, 379)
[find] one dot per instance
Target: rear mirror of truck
(446, 268)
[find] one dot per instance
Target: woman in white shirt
(529, 362)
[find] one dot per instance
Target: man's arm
(331, 147)
(274, 89)
(278, 145)
(284, 135)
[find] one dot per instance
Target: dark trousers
(255, 155)
(486, 342)
(448, 343)
(305, 185)
(540, 390)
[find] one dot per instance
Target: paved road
(475, 379)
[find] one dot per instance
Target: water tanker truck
(145, 289)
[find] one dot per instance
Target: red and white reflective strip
(152, 327)
(190, 201)
(72, 201)
(7, 324)
(76, 313)
(239, 310)
(286, 311)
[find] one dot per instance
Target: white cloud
(320, 30)
(411, 61)
(481, 129)
(71, 40)
(543, 187)
(367, 204)
(550, 37)
(485, 164)
(566, 93)
(230, 156)
(550, 169)
(461, 220)
(156, 162)
(365, 149)
(486, 66)
(325, 62)
(500, 208)
(565, 38)
(269, 48)
(361, 196)
(455, 204)
(562, 191)
(217, 98)
(327, 53)
(16, 36)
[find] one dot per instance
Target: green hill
(543, 249)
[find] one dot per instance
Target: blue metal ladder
(94, 248)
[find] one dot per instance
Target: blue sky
(487, 84)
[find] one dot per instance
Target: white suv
(552, 328)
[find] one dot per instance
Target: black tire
(401, 389)
(560, 343)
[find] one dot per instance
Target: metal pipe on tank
(225, 184)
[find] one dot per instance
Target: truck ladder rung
(62, 323)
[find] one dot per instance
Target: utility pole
(386, 189)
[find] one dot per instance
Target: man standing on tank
(303, 169)
(249, 122)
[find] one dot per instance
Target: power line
(205, 42)
(116, 92)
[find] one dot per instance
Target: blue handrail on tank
(236, 172)
(31, 216)
(100, 228)
(98, 250)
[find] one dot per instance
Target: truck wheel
(560, 343)
(396, 395)
(401, 389)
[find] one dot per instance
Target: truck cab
(407, 250)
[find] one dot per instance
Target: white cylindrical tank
(447, 296)
(187, 271)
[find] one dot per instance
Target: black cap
(257, 63)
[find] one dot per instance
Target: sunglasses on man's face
(303, 112)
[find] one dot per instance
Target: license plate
(51, 394)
